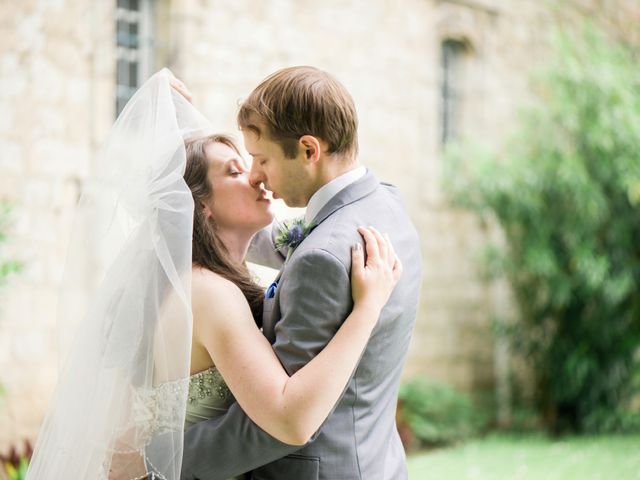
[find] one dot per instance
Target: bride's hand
(372, 282)
(181, 88)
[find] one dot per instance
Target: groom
(300, 126)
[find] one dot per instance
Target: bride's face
(234, 204)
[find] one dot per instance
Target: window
(452, 78)
(134, 45)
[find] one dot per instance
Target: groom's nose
(255, 177)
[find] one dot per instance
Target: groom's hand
(181, 88)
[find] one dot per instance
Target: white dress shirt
(330, 190)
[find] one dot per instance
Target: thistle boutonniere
(291, 233)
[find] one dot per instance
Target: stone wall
(52, 112)
(57, 70)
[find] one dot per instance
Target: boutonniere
(291, 233)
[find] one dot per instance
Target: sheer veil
(119, 405)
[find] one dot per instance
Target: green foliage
(566, 195)
(7, 267)
(618, 420)
(15, 463)
(436, 414)
(18, 472)
(13, 466)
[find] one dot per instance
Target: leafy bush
(18, 472)
(618, 420)
(15, 463)
(432, 414)
(565, 193)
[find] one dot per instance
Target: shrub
(16, 463)
(18, 472)
(565, 193)
(432, 414)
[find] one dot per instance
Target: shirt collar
(331, 189)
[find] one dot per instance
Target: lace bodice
(160, 410)
(208, 396)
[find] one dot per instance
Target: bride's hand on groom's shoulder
(181, 88)
(373, 278)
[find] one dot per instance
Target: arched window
(452, 55)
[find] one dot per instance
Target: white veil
(119, 405)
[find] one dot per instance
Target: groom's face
(286, 178)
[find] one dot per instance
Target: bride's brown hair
(208, 250)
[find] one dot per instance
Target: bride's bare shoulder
(204, 275)
(212, 294)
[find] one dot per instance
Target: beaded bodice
(208, 396)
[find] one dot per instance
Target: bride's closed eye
(236, 168)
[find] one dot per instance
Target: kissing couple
(182, 366)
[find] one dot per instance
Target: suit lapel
(351, 193)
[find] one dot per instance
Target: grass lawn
(504, 457)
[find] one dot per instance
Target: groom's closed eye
(259, 158)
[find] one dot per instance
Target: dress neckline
(203, 372)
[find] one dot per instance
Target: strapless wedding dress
(208, 397)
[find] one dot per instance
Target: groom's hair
(298, 101)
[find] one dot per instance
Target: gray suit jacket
(359, 439)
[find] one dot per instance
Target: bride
(168, 314)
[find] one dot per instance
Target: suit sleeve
(315, 299)
(228, 445)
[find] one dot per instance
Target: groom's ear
(311, 147)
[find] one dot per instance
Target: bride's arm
(292, 408)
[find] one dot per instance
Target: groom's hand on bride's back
(181, 88)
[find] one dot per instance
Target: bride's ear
(206, 211)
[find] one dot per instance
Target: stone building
(421, 71)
